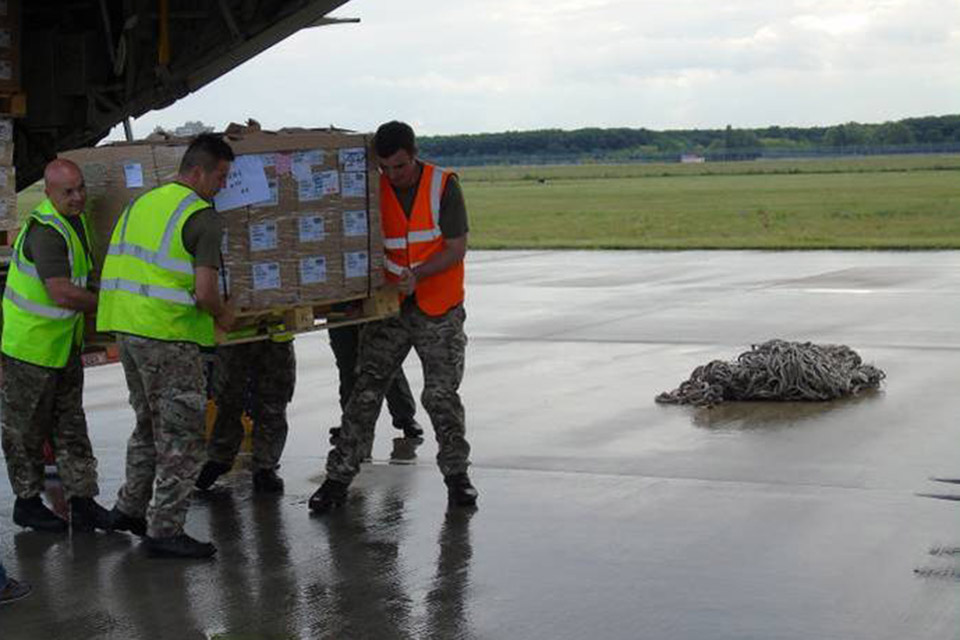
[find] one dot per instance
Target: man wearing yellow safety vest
(43, 321)
(425, 239)
(267, 370)
(159, 293)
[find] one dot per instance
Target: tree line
(930, 133)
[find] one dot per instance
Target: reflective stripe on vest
(35, 328)
(148, 280)
(409, 242)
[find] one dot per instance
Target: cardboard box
(10, 45)
(287, 249)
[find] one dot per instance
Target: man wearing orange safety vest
(425, 239)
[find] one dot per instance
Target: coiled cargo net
(778, 370)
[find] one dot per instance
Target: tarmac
(602, 514)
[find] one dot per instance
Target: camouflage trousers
(42, 403)
(441, 344)
(264, 373)
(165, 451)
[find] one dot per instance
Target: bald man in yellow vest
(46, 297)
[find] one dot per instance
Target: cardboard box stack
(8, 182)
(9, 46)
(301, 212)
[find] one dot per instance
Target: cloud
(490, 65)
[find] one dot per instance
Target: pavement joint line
(695, 480)
(680, 343)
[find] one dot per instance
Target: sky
(475, 66)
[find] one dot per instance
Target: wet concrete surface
(602, 514)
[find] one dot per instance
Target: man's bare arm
(454, 249)
(69, 296)
(208, 297)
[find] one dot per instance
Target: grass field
(895, 202)
(882, 202)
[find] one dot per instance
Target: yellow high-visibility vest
(148, 285)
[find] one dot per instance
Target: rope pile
(778, 370)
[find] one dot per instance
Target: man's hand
(408, 282)
(226, 317)
(69, 296)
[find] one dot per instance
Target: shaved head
(63, 183)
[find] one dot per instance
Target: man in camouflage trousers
(267, 371)
(425, 240)
(159, 294)
(44, 304)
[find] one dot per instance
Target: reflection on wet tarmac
(747, 416)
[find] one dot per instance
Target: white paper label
(6, 70)
(263, 236)
(312, 157)
(353, 159)
(307, 191)
(355, 223)
(355, 264)
(274, 199)
(133, 172)
(354, 185)
(312, 228)
(327, 183)
(313, 270)
(268, 159)
(246, 184)
(301, 171)
(266, 275)
(6, 130)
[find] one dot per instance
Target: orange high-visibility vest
(411, 242)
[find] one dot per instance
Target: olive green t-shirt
(47, 249)
(202, 235)
(453, 209)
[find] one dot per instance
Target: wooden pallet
(252, 326)
(13, 105)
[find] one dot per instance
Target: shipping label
(306, 190)
(266, 275)
(269, 159)
(353, 159)
(313, 270)
(133, 173)
(354, 184)
(312, 228)
(263, 236)
(273, 199)
(355, 264)
(354, 223)
(326, 183)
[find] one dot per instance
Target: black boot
(411, 429)
(32, 513)
(459, 490)
(267, 481)
(178, 546)
(119, 521)
(209, 474)
(334, 435)
(329, 496)
(87, 515)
